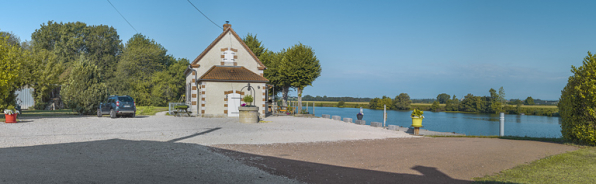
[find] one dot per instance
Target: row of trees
(88, 63)
(335, 99)
(295, 67)
(400, 102)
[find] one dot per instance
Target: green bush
(84, 89)
(341, 103)
(578, 103)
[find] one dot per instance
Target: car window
(125, 99)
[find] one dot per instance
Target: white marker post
(306, 107)
(502, 125)
(384, 114)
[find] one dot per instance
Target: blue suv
(117, 106)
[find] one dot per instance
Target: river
(464, 123)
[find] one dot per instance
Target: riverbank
(538, 110)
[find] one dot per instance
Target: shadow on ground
(322, 173)
(125, 161)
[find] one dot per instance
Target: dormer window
(228, 55)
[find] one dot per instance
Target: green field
(43, 113)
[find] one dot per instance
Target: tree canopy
(577, 104)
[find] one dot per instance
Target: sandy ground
(426, 160)
(165, 149)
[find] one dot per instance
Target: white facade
(211, 97)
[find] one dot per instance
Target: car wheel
(133, 115)
(99, 113)
(112, 113)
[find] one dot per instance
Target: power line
(122, 16)
(204, 15)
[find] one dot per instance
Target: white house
(217, 80)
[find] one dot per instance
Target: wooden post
(416, 130)
(313, 109)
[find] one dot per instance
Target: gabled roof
(194, 62)
(231, 74)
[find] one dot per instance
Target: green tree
(254, 45)
(44, 72)
(502, 95)
(299, 67)
(443, 97)
(84, 90)
(11, 58)
(469, 103)
(67, 42)
(529, 101)
(168, 84)
(577, 105)
(341, 104)
(495, 101)
(141, 58)
(452, 105)
(402, 102)
(374, 103)
(435, 106)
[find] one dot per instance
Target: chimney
(227, 25)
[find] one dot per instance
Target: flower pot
(359, 116)
(416, 122)
(10, 118)
(248, 114)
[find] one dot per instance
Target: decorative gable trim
(261, 65)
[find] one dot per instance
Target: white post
(384, 115)
(502, 125)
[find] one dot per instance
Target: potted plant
(417, 118)
(248, 99)
(359, 116)
(248, 113)
(10, 114)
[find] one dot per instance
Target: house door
(233, 103)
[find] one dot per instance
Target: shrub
(578, 102)
(84, 89)
(341, 103)
(248, 99)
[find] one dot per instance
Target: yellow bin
(416, 122)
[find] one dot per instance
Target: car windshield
(125, 99)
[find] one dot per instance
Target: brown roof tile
(231, 74)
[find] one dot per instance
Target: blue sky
(366, 48)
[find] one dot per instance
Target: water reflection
(466, 123)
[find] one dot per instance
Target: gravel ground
(204, 131)
(154, 149)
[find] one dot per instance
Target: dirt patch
(426, 160)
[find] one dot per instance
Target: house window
(228, 55)
(188, 93)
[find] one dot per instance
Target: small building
(218, 79)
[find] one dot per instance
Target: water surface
(465, 123)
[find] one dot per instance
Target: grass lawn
(150, 110)
(574, 167)
(42, 113)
